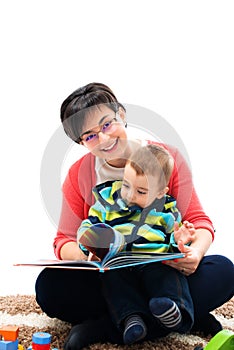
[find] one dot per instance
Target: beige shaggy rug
(23, 311)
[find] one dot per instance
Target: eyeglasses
(92, 136)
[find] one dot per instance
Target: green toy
(224, 340)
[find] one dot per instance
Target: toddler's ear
(162, 192)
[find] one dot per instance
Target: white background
(173, 57)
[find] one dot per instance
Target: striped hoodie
(147, 229)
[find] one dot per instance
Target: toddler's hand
(93, 257)
(185, 233)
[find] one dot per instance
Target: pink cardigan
(77, 197)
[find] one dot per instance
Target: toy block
(40, 346)
(9, 345)
(9, 333)
(41, 338)
(41, 341)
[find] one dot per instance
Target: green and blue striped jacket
(148, 230)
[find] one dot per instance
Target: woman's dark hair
(75, 107)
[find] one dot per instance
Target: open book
(120, 260)
(108, 246)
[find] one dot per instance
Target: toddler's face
(139, 190)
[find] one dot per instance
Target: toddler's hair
(153, 160)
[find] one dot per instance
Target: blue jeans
(128, 291)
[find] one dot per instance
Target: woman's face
(104, 135)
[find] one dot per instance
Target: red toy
(41, 341)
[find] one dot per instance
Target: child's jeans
(128, 291)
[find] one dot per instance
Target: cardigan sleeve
(77, 198)
(182, 188)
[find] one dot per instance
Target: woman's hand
(189, 263)
(71, 251)
(201, 242)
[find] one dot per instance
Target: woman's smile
(111, 146)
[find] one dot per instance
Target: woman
(93, 117)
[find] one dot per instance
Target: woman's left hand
(189, 263)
